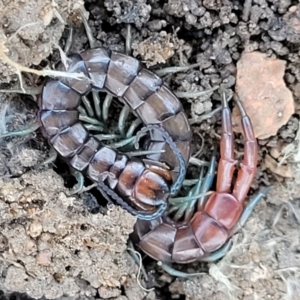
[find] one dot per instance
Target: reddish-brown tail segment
(212, 225)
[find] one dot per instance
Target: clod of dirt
(156, 49)
(124, 11)
(52, 247)
(30, 30)
(263, 93)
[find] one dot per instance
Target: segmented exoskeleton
(140, 186)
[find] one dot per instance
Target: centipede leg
(202, 187)
(80, 182)
(134, 125)
(26, 90)
(69, 40)
(90, 120)
(88, 29)
(128, 39)
(96, 100)
(219, 253)
(80, 188)
(175, 273)
(106, 105)
(32, 128)
(122, 119)
(123, 143)
(88, 106)
(52, 157)
(249, 209)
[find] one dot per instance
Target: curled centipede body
(141, 186)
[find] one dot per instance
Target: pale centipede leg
(123, 143)
(218, 254)
(52, 157)
(208, 179)
(90, 120)
(96, 100)
(80, 188)
(198, 193)
(106, 137)
(181, 208)
(32, 128)
(88, 106)
(136, 258)
(106, 105)
(134, 125)
(27, 90)
(69, 40)
(88, 29)
(92, 127)
(122, 119)
(82, 110)
(80, 182)
(128, 40)
(175, 273)
(249, 209)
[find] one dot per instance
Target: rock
(263, 93)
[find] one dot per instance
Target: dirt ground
(51, 245)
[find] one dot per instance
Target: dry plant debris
(30, 30)
(263, 92)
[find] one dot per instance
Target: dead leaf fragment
(263, 93)
(273, 166)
